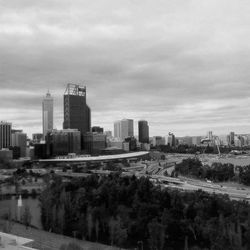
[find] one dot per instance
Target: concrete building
(94, 143)
(47, 106)
(124, 128)
(19, 139)
(63, 142)
(77, 114)
(143, 131)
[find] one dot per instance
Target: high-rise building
(47, 114)
(143, 131)
(19, 139)
(77, 114)
(124, 128)
(5, 134)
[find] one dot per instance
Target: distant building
(47, 106)
(231, 138)
(36, 138)
(6, 154)
(157, 141)
(143, 131)
(115, 143)
(19, 139)
(16, 152)
(97, 129)
(126, 146)
(210, 135)
(63, 142)
(186, 140)
(40, 151)
(94, 143)
(132, 143)
(108, 133)
(170, 140)
(196, 140)
(124, 128)
(5, 134)
(77, 114)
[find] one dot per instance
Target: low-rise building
(94, 143)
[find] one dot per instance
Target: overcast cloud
(183, 65)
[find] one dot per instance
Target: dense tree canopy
(129, 212)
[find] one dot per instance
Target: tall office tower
(77, 114)
(143, 131)
(5, 134)
(124, 128)
(117, 129)
(127, 128)
(19, 139)
(47, 114)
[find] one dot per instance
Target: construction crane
(215, 139)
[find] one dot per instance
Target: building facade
(124, 128)
(5, 134)
(19, 139)
(47, 106)
(77, 114)
(63, 142)
(97, 129)
(143, 131)
(94, 143)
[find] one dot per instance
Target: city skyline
(182, 66)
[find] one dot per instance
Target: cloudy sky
(183, 65)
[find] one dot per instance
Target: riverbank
(50, 241)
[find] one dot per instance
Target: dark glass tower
(77, 114)
(143, 131)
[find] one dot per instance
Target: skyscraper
(5, 134)
(47, 114)
(124, 128)
(77, 114)
(143, 131)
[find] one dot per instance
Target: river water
(11, 205)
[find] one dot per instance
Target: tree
(26, 216)
(71, 246)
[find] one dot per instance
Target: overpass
(101, 158)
